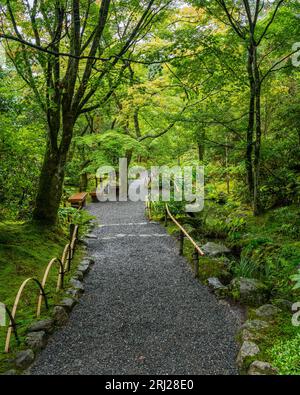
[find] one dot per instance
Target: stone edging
(40, 331)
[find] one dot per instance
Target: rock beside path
(36, 340)
(76, 284)
(60, 316)
(43, 325)
(267, 311)
(255, 325)
(24, 359)
(248, 291)
(262, 368)
(214, 250)
(68, 303)
(216, 286)
(248, 350)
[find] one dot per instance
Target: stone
(216, 286)
(214, 283)
(60, 315)
(267, 311)
(77, 285)
(89, 260)
(43, 325)
(248, 350)
(24, 359)
(255, 325)
(74, 293)
(91, 236)
(11, 372)
(283, 304)
(79, 275)
(68, 303)
(213, 249)
(84, 267)
(247, 335)
(248, 291)
(84, 242)
(262, 368)
(36, 340)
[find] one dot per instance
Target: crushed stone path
(142, 311)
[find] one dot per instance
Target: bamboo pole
(201, 253)
(14, 310)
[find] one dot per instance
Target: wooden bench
(78, 199)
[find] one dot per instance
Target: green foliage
(176, 208)
(70, 215)
(21, 150)
(108, 147)
(244, 268)
(191, 108)
(214, 268)
(25, 250)
(281, 346)
(296, 278)
(285, 355)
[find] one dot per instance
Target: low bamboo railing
(64, 265)
(183, 233)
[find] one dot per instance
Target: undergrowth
(25, 250)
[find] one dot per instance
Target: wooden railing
(64, 265)
(183, 233)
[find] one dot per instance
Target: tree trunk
(136, 123)
(50, 187)
(128, 155)
(52, 174)
(250, 128)
(226, 166)
(256, 198)
(201, 144)
(83, 182)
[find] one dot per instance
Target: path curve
(142, 311)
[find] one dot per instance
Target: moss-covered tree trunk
(52, 176)
(50, 187)
(251, 119)
(257, 149)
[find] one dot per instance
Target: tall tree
(251, 21)
(65, 50)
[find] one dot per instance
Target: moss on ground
(280, 345)
(25, 250)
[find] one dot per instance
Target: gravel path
(142, 311)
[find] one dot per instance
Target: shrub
(244, 268)
(285, 355)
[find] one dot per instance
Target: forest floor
(25, 250)
(266, 248)
(138, 267)
(142, 311)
